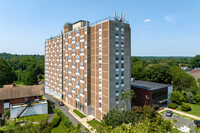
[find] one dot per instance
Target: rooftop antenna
(121, 17)
(115, 15)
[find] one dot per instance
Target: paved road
(181, 121)
(64, 109)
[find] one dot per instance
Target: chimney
(14, 84)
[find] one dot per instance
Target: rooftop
(21, 91)
(117, 18)
(148, 85)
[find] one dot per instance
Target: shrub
(185, 107)
(55, 121)
(172, 105)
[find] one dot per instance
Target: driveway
(181, 121)
(64, 109)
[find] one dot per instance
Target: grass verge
(94, 123)
(195, 110)
(79, 113)
(34, 118)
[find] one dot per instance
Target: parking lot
(181, 121)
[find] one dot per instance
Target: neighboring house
(23, 100)
(151, 93)
(195, 73)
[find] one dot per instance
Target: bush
(172, 105)
(55, 121)
(185, 107)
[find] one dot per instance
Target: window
(77, 44)
(100, 81)
(122, 65)
(116, 25)
(117, 90)
(122, 81)
(77, 70)
(100, 97)
(77, 31)
(122, 33)
(100, 42)
(99, 105)
(100, 33)
(117, 57)
(99, 65)
(122, 49)
(99, 49)
(116, 33)
(122, 73)
(117, 74)
(117, 65)
(117, 82)
(117, 49)
(117, 98)
(100, 57)
(100, 89)
(122, 57)
(100, 26)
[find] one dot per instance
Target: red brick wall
(1, 107)
(141, 97)
(18, 100)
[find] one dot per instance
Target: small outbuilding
(23, 100)
(151, 93)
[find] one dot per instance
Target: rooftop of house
(148, 85)
(12, 92)
(195, 70)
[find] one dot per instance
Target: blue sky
(158, 27)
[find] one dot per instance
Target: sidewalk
(181, 113)
(83, 121)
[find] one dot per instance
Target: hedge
(172, 105)
(55, 121)
(185, 107)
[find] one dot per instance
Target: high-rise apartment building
(89, 64)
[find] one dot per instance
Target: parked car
(61, 103)
(197, 122)
(169, 113)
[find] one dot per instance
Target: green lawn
(60, 129)
(34, 118)
(94, 123)
(195, 109)
(79, 113)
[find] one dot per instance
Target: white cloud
(168, 19)
(147, 20)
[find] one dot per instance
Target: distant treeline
(21, 69)
(8, 56)
(163, 57)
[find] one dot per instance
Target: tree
(195, 62)
(125, 98)
(159, 73)
(182, 80)
(136, 70)
(7, 74)
(30, 78)
(116, 117)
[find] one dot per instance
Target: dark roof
(148, 85)
(79, 21)
(21, 91)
